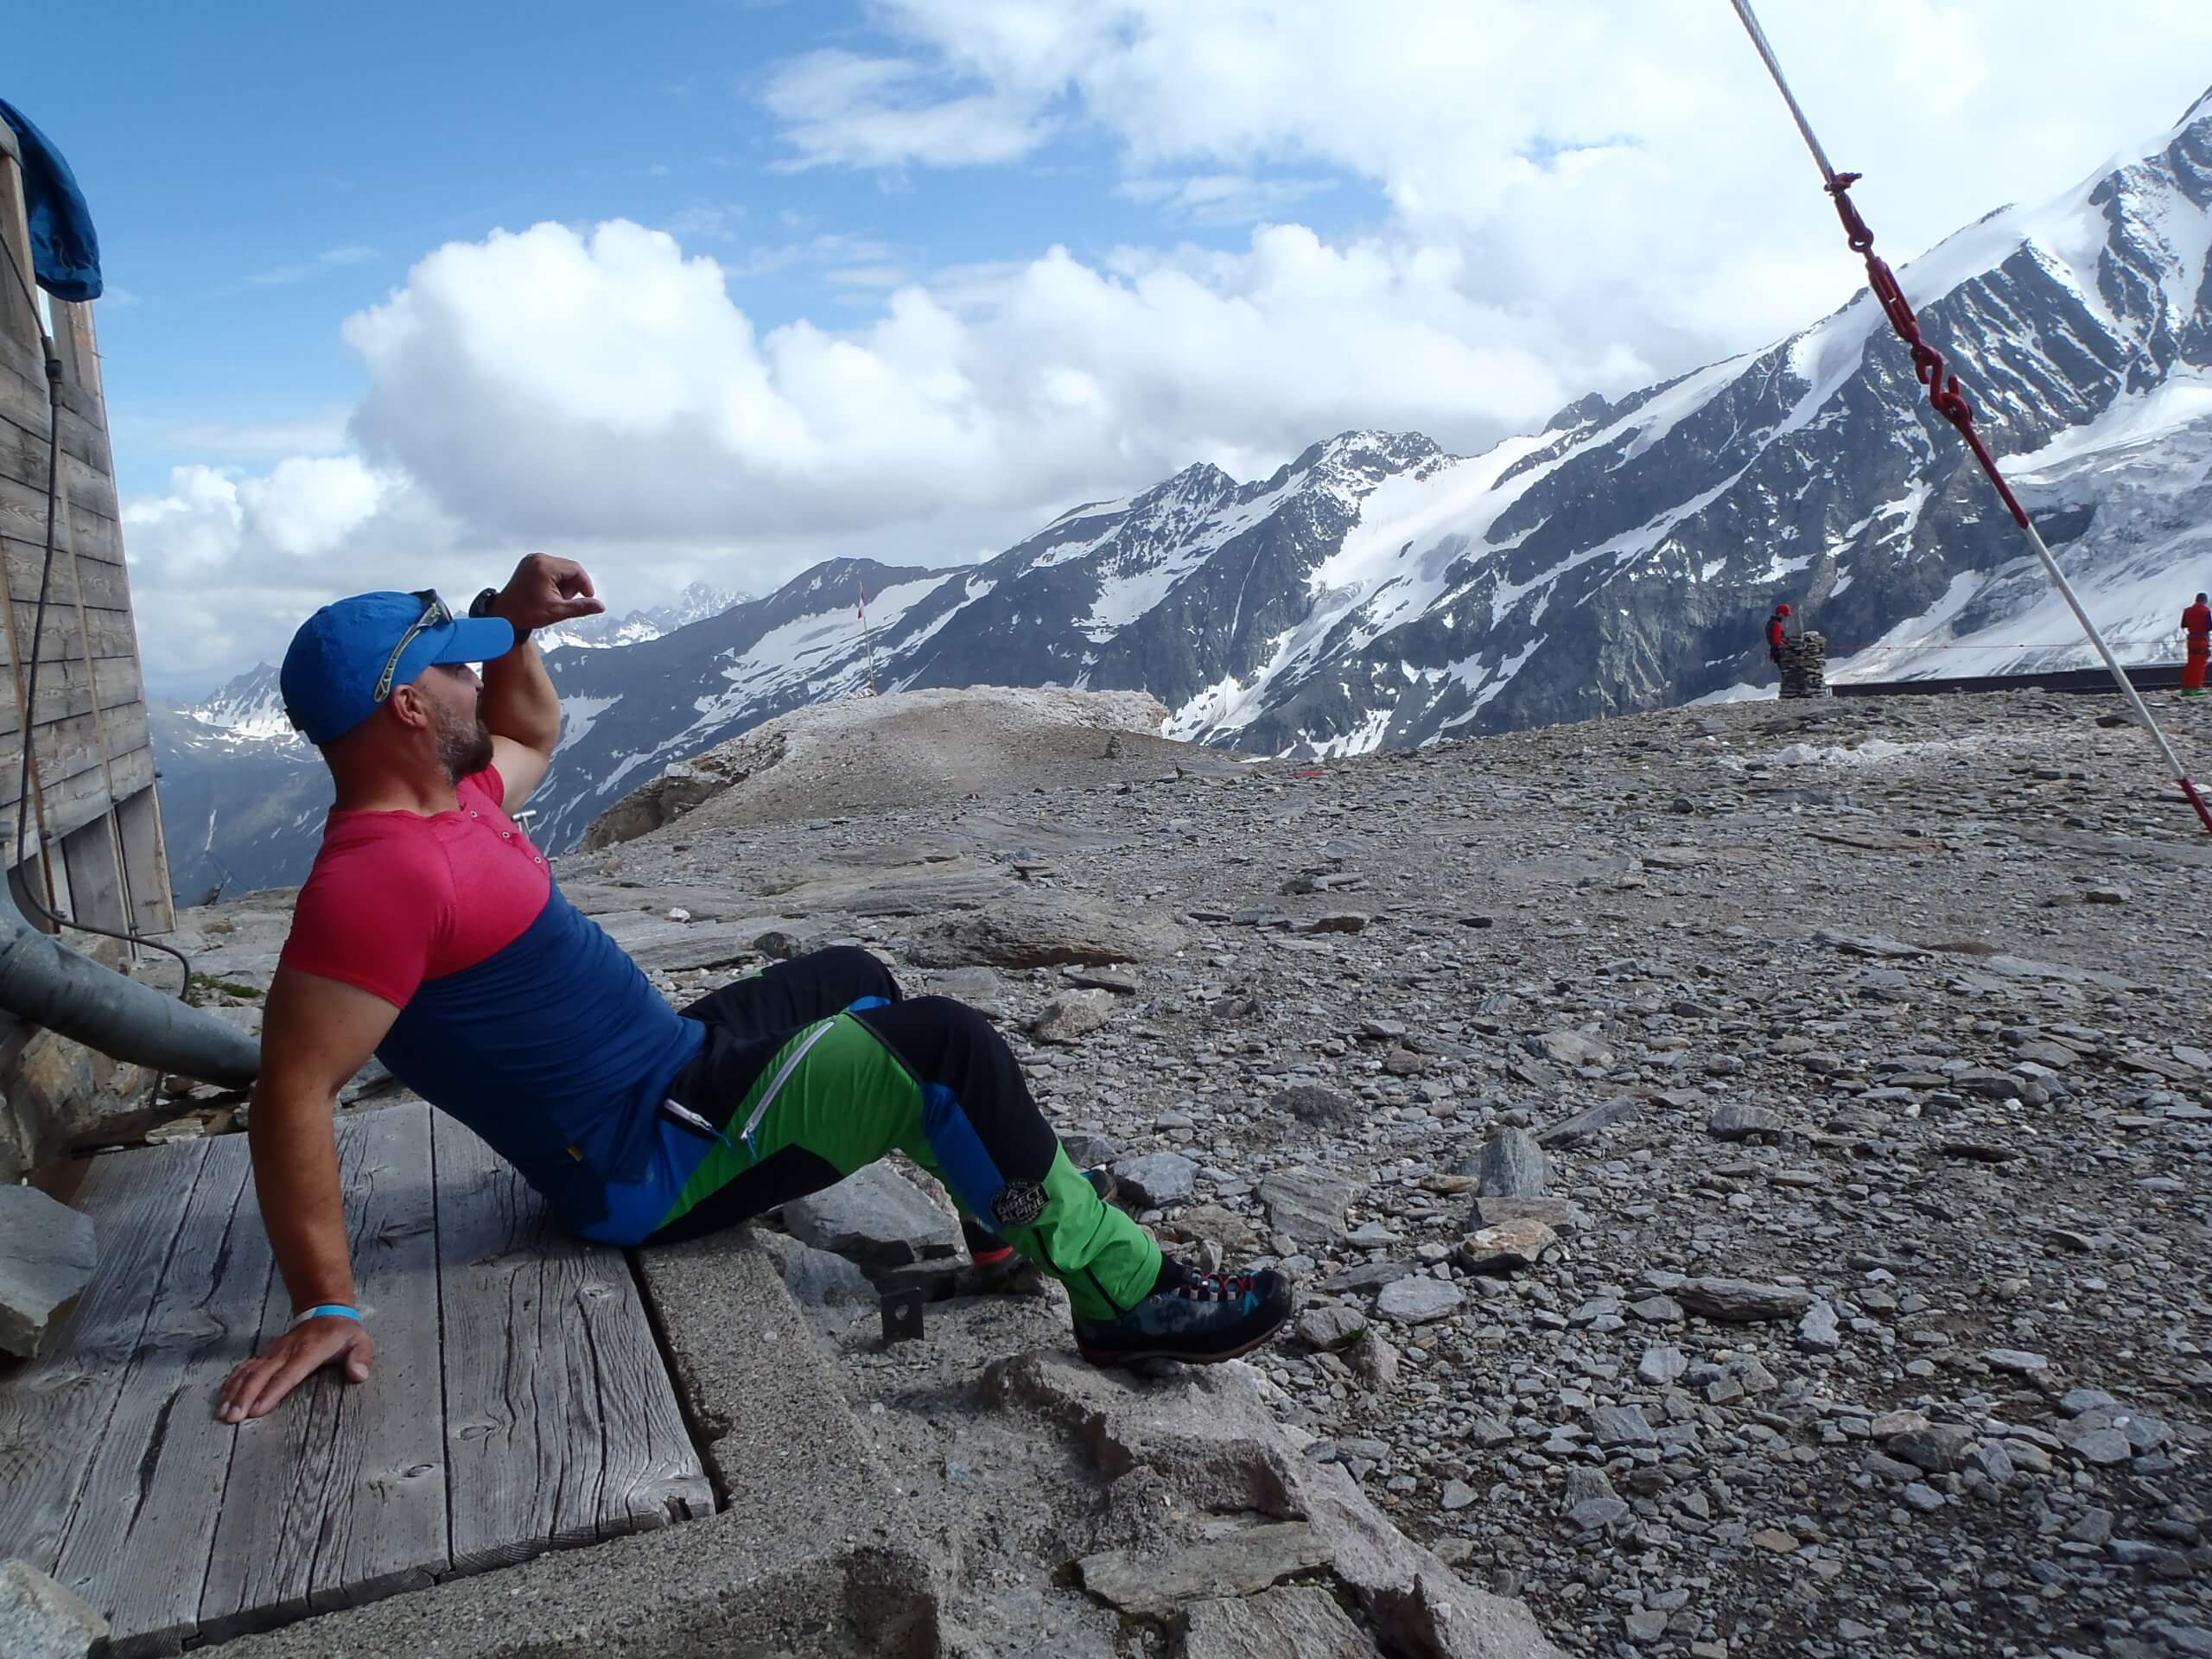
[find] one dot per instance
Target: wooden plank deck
(517, 1402)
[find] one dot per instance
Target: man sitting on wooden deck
(431, 933)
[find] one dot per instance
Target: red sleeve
(374, 916)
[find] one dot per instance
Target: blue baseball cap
(347, 658)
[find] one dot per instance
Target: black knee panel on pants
(948, 1045)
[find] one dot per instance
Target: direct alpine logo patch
(1019, 1203)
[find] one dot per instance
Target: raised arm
(315, 1034)
(521, 708)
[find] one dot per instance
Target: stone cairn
(1805, 666)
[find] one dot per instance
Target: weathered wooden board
(22, 516)
(138, 1543)
(146, 856)
(518, 1401)
(64, 690)
(77, 799)
(545, 1334)
(58, 1404)
(95, 868)
(341, 1496)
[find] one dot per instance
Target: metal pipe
(44, 982)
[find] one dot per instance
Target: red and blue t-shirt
(518, 1015)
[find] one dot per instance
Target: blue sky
(254, 184)
(719, 289)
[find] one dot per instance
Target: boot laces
(1211, 1287)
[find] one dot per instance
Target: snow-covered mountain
(697, 603)
(243, 797)
(1377, 592)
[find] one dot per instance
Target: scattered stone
(1158, 1178)
(1307, 1204)
(1572, 1049)
(46, 1256)
(2014, 1359)
(1939, 1448)
(2110, 893)
(1512, 1166)
(1073, 1015)
(1309, 1102)
(1734, 1122)
(1331, 1326)
(1022, 932)
(1741, 1301)
(1662, 1362)
(1775, 1540)
(1418, 1299)
(1585, 1125)
(1612, 1425)
(1817, 1333)
(2100, 1448)
(1505, 1247)
(1558, 1214)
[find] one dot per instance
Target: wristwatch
(481, 605)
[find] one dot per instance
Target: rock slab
(47, 1253)
(1241, 1564)
(1033, 933)
(1512, 1165)
(1742, 1301)
(875, 1216)
(1209, 1434)
(1158, 1178)
(1295, 1620)
(1307, 1204)
(41, 1619)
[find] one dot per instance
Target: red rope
(1927, 363)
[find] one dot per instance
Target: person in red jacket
(2196, 623)
(1777, 631)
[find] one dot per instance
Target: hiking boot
(995, 1263)
(1200, 1318)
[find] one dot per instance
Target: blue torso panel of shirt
(555, 1049)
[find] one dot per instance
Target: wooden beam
(78, 346)
(95, 868)
(18, 316)
(146, 862)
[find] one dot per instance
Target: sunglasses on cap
(437, 613)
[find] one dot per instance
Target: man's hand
(544, 590)
(254, 1389)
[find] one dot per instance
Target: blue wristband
(337, 1310)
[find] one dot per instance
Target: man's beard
(465, 748)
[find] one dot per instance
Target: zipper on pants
(776, 1084)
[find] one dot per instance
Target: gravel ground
(1751, 1168)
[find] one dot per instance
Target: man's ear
(410, 706)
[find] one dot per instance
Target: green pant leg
(1107, 1264)
(838, 1091)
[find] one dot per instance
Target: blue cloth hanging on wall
(65, 251)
